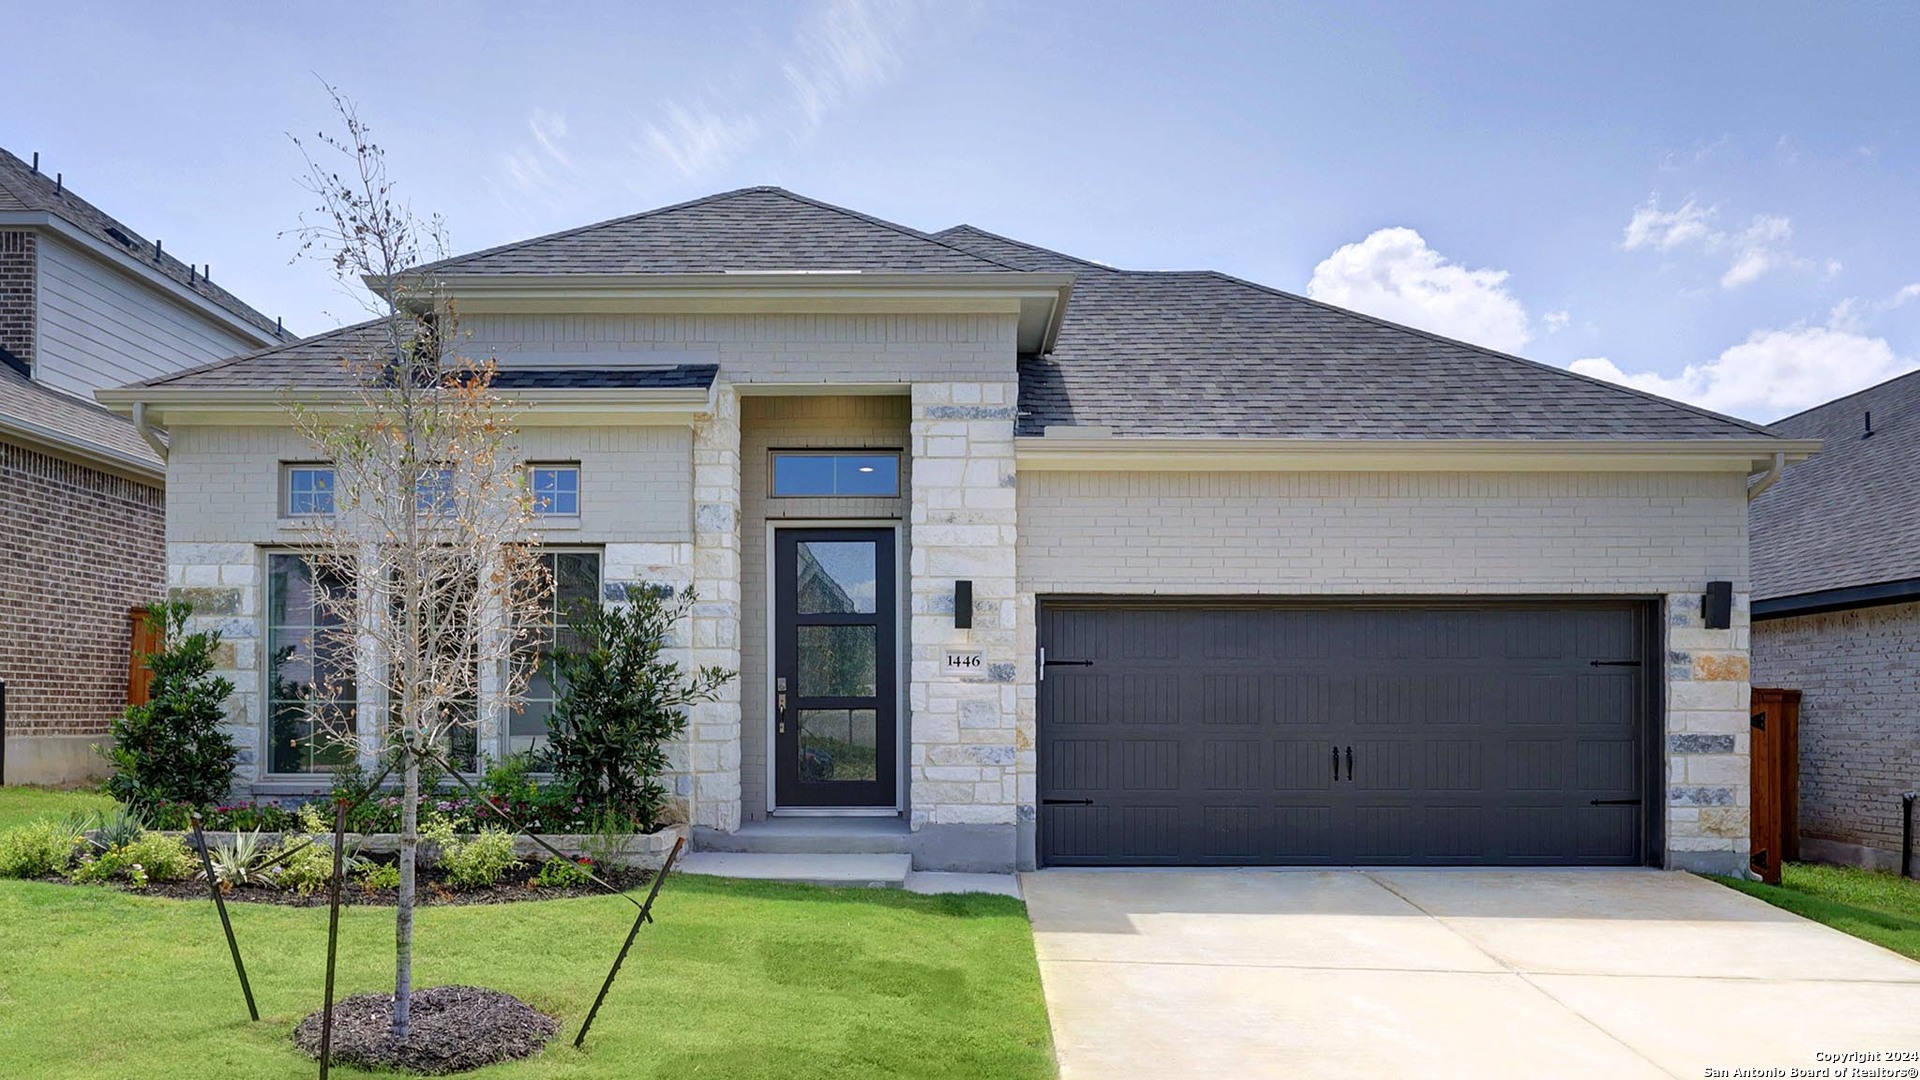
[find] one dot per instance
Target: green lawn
(736, 979)
(1878, 907)
(20, 805)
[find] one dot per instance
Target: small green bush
(379, 875)
(311, 868)
(475, 862)
(238, 861)
(152, 857)
(175, 747)
(562, 873)
(37, 850)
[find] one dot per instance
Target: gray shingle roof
(59, 418)
(1850, 515)
(1198, 354)
(758, 228)
(22, 188)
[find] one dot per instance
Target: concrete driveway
(1450, 973)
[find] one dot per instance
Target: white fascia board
(125, 263)
(533, 408)
(1039, 300)
(1058, 453)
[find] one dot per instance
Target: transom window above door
(843, 473)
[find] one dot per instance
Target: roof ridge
(1034, 247)
(453, 261)
(1881, 385)
(1758, 429)
(905, 230)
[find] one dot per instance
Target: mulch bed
(452, 1029)
(517, 885)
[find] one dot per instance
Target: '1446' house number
(964, 662)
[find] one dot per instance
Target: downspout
(1766, 478)
(146, 431)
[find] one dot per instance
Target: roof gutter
(1766, 479)
(90, 453)
(145, 429)
(1841, 599)
(1093, 452)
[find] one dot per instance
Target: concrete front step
(811, 836)
(876, 871)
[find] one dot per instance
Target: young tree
(432, 520)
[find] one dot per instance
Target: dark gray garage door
(1361, 734)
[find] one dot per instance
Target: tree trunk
(403, 911)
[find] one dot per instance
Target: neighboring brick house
(85, 303)
(1836, 608)
(1128, 567)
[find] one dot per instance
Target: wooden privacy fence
(1775, 764)
(144, 640)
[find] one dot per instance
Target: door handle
(1349, 763)
(1336, 763)
(780, 710)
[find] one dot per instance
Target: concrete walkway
(1449, 973)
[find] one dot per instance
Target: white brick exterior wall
(1368, 532)
(1859, 676)
(795, 349)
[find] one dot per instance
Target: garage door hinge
(1614, 663)
(1614, 802)
(1066, 802)
(1759, 721)
(1046, 663)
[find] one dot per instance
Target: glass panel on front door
(834, 668)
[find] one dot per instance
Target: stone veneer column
(1708, 804)
(961, 766)
(222, 582)
(713, 731)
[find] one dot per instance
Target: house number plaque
(964, 662)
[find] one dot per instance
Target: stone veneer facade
(1709, 791)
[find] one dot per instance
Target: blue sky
(1715, 201)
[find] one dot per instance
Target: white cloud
(1910, 292)
(1667, 229)
(1556, 321)
(536, 167)
(1772, 373)
(1751, 252)
(1394, 274)
(841, 50)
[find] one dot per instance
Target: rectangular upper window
(556, 490)
(433, 490)
(309, 490)
(849, 474)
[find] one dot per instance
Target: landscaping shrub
(379, 875)
(239, 861)
(227, 817)
(173, 748)
(474, 862)
(310, 869)
(37, 850)
(109, 829)
(622, 702)
(563, 873)
(152, 857)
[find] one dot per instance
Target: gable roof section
(1203, 354)
(34, 413)
(23, 189)
(765, 229)
(1850, 516)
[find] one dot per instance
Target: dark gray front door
(1446, 734)
(834, 677)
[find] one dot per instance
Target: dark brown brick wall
(17, 296)
(77, 549)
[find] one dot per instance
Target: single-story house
(1029, 560)
(1836, 609)
(85, 303)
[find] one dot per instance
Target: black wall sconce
(963, 605)
(1716, 607)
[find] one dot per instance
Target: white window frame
(506, 736)
(265, 766)
(579, 492)
(287, 469)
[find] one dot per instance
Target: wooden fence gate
(1775, 759)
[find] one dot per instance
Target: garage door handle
(1336, 764)
(1349, 762)
(1615, 802)
(1066, 802)
(1613, 663)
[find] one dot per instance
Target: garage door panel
(1480, 734)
